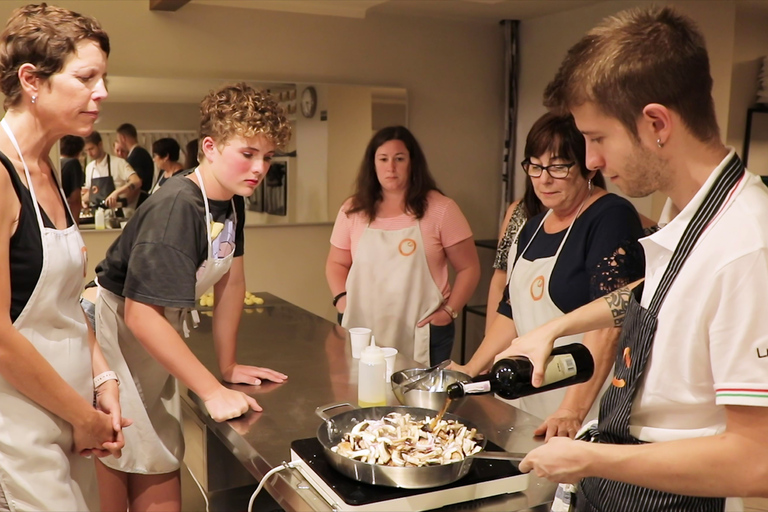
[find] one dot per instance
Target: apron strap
(713, 201)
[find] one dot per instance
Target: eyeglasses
(556, 171)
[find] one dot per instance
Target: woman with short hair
(52, 67)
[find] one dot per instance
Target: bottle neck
(477, 388)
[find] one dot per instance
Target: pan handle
(510, 456)
(323, 409)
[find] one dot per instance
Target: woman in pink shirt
(390, 248)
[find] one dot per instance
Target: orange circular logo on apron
(537, 288)
(407, 247)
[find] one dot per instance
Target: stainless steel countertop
(316, 356)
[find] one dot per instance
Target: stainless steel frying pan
(330, 433)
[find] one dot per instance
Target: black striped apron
(639, 329)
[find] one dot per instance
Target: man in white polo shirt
(685, 424)
(108, 178)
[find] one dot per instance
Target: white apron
(38, 468)
(532, 306)
(149, 395)
(390, 290)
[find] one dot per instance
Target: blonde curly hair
(239, 110)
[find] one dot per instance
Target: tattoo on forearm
(618, 301)
(132, 186)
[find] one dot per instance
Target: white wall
(750, 46)
(310, 183)
(544, 42)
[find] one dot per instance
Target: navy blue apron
(639, 329)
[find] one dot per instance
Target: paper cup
(359, 337)
(390, 354)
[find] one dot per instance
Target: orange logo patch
(627, 358)
(407, 247)
(537, 288)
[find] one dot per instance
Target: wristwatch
(448, 309)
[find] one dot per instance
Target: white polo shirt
(121, 171)
(711, 344)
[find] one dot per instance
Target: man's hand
(111, 200)
(536, 346)
(561, 460)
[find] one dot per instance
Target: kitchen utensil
(413, 380)
(331, 432)
(429, 392)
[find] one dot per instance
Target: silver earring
(589, 185)
(34, 99)
(659, 143)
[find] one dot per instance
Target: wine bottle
(510, 378)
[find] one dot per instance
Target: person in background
(186, 238)
(684, 423)
(517, 214)
(165, 154)
(72, 178)
(584, 245)
(109, 179)
(119, 150)
(52, 68)
(138, 158)
(391, 246)
(190, 154)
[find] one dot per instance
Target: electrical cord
(284, 465)
(205, 497)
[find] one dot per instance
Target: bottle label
(476, 388)
(559, 367)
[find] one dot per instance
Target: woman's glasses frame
(556, 171)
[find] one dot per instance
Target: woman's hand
(92, 432)
(225, 404)
(460, 368)
(439, 317)
(563, 422)
(252, 375)
(108, 401)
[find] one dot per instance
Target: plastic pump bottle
(371, 377)
(99, 221)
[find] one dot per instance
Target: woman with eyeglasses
(583, 246)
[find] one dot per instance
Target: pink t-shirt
(443, 225)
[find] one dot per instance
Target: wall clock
(308, 102)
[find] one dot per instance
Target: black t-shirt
(156, 257)
(142, 163)
(600, 255)
(72, 176)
